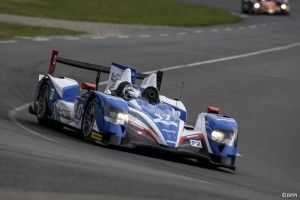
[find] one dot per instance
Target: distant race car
(132, 115)
(266, 6)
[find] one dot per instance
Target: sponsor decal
(96, 136)
(79, 111)
(62, 110)
(114, 78)
(165, 119)
(51, 94)
(116, 72)
(168, 131)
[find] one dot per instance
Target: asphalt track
(260, 90)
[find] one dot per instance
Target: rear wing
(92, 67)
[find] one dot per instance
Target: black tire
(245, 9)
(88, 119)
(42, 104)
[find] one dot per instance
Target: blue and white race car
(132, 115)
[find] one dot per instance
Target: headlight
(217, 136)
(283, 6)
(115, 116)
(122, 118)
(256, 5)
(225, 138)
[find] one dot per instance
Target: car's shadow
(164, 155)
(265, 14)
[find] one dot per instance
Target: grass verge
(8, 31)
(149, 12)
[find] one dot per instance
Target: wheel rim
(42, 103)
(89, 119)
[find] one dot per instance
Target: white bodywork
(200, 126)
(150, 81)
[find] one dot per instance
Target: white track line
(98, 37)
(12, 116)
(164, 34)
(14, 111)
(8, 41)
(227, 58)
(199, 31)
(182, 33)
(122, 36)
(71, 38)
(215, 30)
(144, 36)
(40, 39)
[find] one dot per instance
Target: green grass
(8, 31)
(149, 12)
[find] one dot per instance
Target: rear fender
(67, 92)
(41, 81)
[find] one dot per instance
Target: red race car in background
(266, 6)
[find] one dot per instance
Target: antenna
(181, 91)
(97, 80)
(180, 94)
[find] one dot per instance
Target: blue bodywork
(106, 103)
(70, 93)
(164, 118)
(224, 124)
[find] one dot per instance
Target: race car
(132, 115)
(266, 6)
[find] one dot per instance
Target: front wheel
(88, 120)
(245, 7)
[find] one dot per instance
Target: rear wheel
(42, 104)
(88, 120)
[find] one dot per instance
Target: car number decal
(196, 143)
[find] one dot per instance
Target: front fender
(106, 103)
(224, 124)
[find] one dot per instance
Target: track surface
(260, 91)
